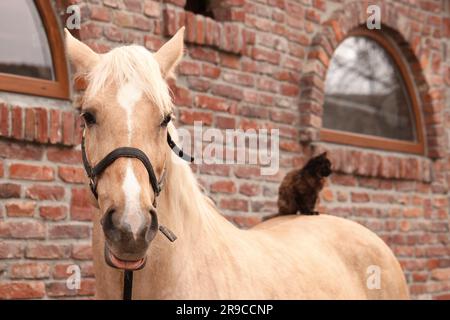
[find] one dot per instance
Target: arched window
(32, 58)
(370, 99)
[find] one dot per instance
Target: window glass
(365, 93)
(24, 48)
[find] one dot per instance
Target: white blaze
(127, 96)
(132, 190)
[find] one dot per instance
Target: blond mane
(133, 64)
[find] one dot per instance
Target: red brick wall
(262, 65)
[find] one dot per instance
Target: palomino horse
(127, 104)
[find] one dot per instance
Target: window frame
(374, 142)
(58, 88)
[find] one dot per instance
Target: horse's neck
(203, 234)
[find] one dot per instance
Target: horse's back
(327, 245)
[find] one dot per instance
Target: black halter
(129, 152)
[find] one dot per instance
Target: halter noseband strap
(123, 152)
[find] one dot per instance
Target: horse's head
(126, 104)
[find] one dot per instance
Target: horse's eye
(166, 120)
(89, 118)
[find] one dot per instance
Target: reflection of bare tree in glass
(364, 92)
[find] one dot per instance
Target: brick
(266, 55)
(142, 23)
(100, 13)
(4, 120)
(211, 103)
(182, 96)
(267, 84)
(22, 290)
(20, 208)
(223, 186)
(239, 78)
(412, 212)
(210, 71)
(344, 180)
(80, 205)
(68, 127)
(170, 22)
(59, 289)
(9, 190)
(189, 116)
(30, 124)
(215, 169)
(133, 5)
(17, 123)
(228, 91)
(153, 43)
(31, 172)
(72, 174)
(234, 204)
(200, 29)
(23, 229)
(179, 3)
(204, 54)
(10, 250)
(191, 26)
(228, 60)
(60, 270)
(223, 122)
(82, 252)
(47, 251)
(55, 133)
(114, 34)
(41, 125)
(53, 213)
(68, 231)
(30, 270)
(91, 30)
(264, 206)
(250, 189)
(64, 155)
(289, 90)
(247, 172)
(327, 195)
(441, 274)
(45, 192)
(87, 270)
(152, 9)
(359, 197)
(209, 31)
(123, 19)
(20, 151)
(189, 68)
(198, 84)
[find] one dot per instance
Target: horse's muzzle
(114, 262)
(125, 249)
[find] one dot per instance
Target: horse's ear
(171, 53)
(82, 57)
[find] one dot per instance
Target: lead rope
(128, 285)
(128, 274)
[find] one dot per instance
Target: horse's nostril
(107, 220)
(108, 225)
